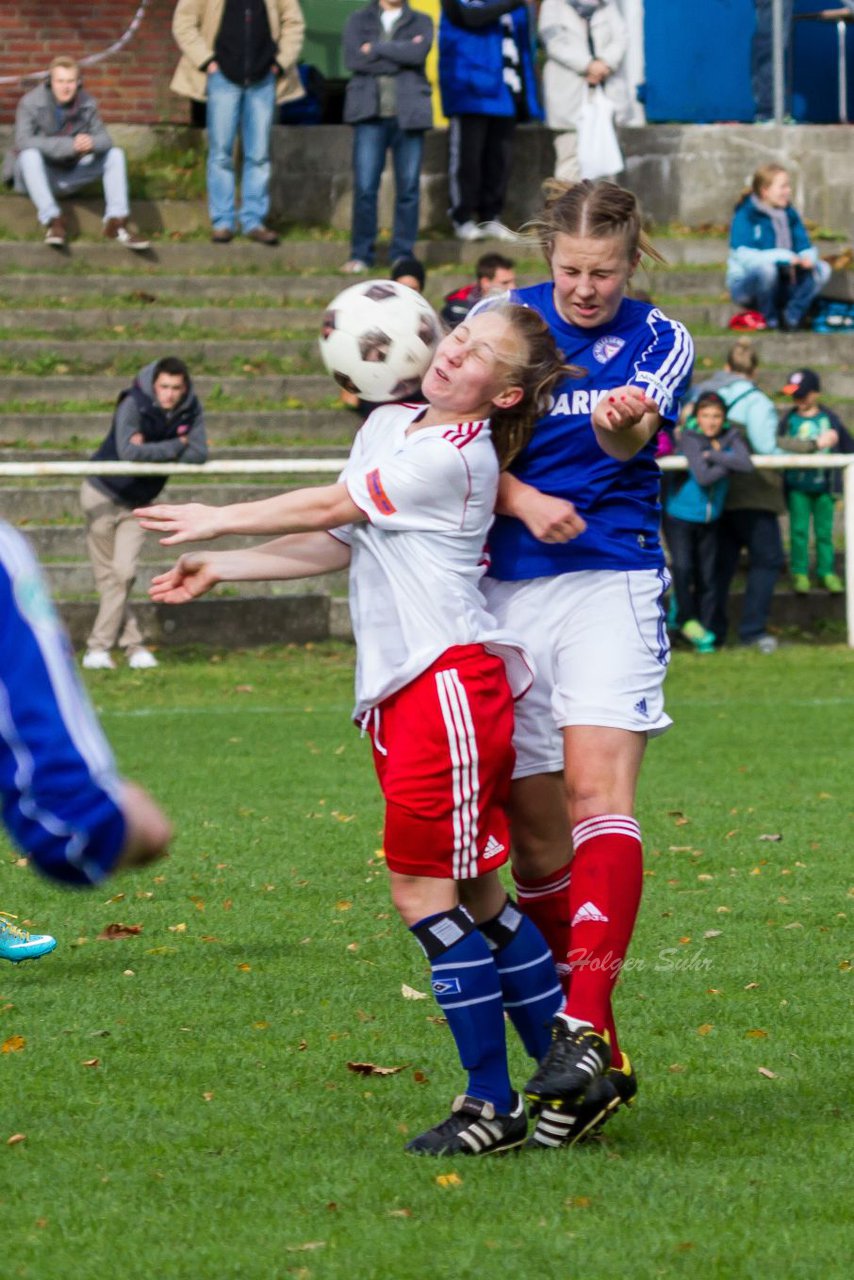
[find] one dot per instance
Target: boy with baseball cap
(810, 427)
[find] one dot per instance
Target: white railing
(333, 466)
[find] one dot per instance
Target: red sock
(546, 902)
(604, 895)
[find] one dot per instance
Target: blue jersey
(58, 781)
(619, 500)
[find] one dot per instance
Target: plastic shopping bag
(599, 154)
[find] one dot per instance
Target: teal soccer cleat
(16, 944)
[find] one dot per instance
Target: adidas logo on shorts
(589, 913)
(493, 848)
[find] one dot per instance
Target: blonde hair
(764, 176)
(65, 63)
(742, 358)
(595, 209)
(536, 366)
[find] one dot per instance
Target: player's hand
(622, 409)
(147, 829)
(189, 522)
(190, 578)
(551, 519)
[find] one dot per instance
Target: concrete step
(235, 622)
(59, 498)
(231, 453)
(127, 322)
(306, 424)
(65, 542)
(246, 622)
(263, 388)
(100, 353)
(74, 580)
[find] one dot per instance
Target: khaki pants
(566, 156)
(113, 541)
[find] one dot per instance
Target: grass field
(184, 1092)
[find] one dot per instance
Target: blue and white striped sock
(467, 987)
(529, 981)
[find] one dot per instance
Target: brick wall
(132, 86)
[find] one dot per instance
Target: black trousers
(479, 158)
(693, 567)
(759, 533)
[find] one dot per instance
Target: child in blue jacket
(773, 266)
(692, 509)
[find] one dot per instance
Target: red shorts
(443, 750)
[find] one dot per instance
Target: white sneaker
(98, 660)
(142, 660)
(468, 231)
(495, 230)
(354, 267)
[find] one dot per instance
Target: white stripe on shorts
(462, 745)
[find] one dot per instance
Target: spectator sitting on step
(810, 427)
(158, 419)
(494, 274)
(772, 265)
(239, 56)
(61, 145)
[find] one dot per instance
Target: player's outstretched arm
(624, 421)
(302, 511)
(548, 518)
(293, 556)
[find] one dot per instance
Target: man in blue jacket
(389, 104)
(486, 75)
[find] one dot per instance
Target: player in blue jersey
(63, 802)
(577, 570)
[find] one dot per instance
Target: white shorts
(599, 641)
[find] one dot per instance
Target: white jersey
(416, 565)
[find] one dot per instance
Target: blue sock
(529, 982)
(467, 987)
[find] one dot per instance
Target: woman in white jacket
(584, 42)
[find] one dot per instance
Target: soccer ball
(378, 338)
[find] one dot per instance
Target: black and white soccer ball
(378, 338)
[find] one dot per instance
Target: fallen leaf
(578, 1202)
(128, 973)
(713, 991)
(14, 1044)
(371, 1069)
(365, 1017)
(675, 1068)
(769, 1075)
(161, 951)
(438, 1018)
(796, 924)
(712, 933)
(352, 946)
(723, 911)
(208, 1096)
(260, 1026)
(449, 1180)
(91, 1062)
(113, 931)
(420, 1077)
(844, 965)
(400, 1213)
(756, 1033)
(177, 928)
(773, 838)
(409, 993)
(343, 905)
(244, 967)
(751, 986)
(705, 876)
(117, 897)
(705, 1028)
(244, 688)
(684, 941)
(305, 1248)
(16, 1137)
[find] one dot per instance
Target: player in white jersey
(578, 571)
(435, 679)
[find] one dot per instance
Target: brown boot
(120, 229)
(56, 233)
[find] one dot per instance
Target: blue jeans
(43, 182)
(232, 107)
(759, 533)
(371, 140)
(773, 289)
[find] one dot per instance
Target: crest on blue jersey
(604, 349)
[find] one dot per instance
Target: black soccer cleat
(564, 1127)
(574, 1060)
(474, 1129)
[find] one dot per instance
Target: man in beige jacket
(240, 57)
